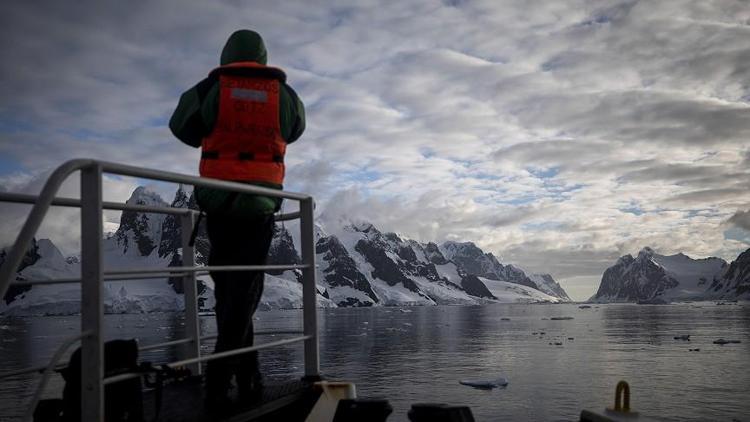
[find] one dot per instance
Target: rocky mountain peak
(362, 227)
(734, 282)
(282, 251)
(140, 233)
(646, 253)
(652, 276)
(465, 249)
(433, 254)
(30, 258)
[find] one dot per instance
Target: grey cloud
(561, 152)
(740, 219)
(563, 262)
(641, 117)
(421, 132)
(673, 172)
(708, 196)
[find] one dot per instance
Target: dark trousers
(236, 241)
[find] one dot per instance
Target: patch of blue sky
(633, 209)
(521, 200)
(738, 234)
(427, 152)
(10, 126)
(485, 176)
(705, 212)
(544, 173)
(9, 165)
(542, 225)
(363, 175)
(159, 121)
(560, 190)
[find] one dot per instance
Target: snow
(340, 294)
(449, 271)
(444, 294)
(506, 292)
(398, 295)
(694, 275)
(279, 293)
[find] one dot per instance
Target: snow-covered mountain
(735, 280)
(651, 277)
(360, 266)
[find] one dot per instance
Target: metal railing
(93, 274)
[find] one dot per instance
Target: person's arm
(292, 116)
(188, 123)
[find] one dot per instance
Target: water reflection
(555, 367)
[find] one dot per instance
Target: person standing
(243, 115)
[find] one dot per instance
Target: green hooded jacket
(196, 113)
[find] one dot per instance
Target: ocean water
(418, 354)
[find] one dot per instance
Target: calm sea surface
(411, 355)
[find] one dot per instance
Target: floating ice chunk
(722, 341)
(486, 384)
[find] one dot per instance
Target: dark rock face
(171, 228)
(632, 279)
(555, 287)
(735, 282)
(473, 261)
(282, 251)
(30, 258)
(202, 244)
(139, 224)
(140, 228)
(433, 254)
(383, 267)
(474, 286)
(343, 271)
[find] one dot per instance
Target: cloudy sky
(558, 135)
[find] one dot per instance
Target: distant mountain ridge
(360, 266)
(654, 278)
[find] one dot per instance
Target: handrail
(155, 346)
(220, 355)
(126, 275)
(56, 179)
(209, 269)
(22, 198)
(92, 274)
(34, 220)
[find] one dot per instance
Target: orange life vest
(246, 143)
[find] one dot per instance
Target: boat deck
(281, 400)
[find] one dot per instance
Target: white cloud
(559, 135)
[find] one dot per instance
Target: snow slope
(507, 292)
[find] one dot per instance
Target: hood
(244, 46)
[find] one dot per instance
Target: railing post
(309, 290)
(92, 308)
(190, 289)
